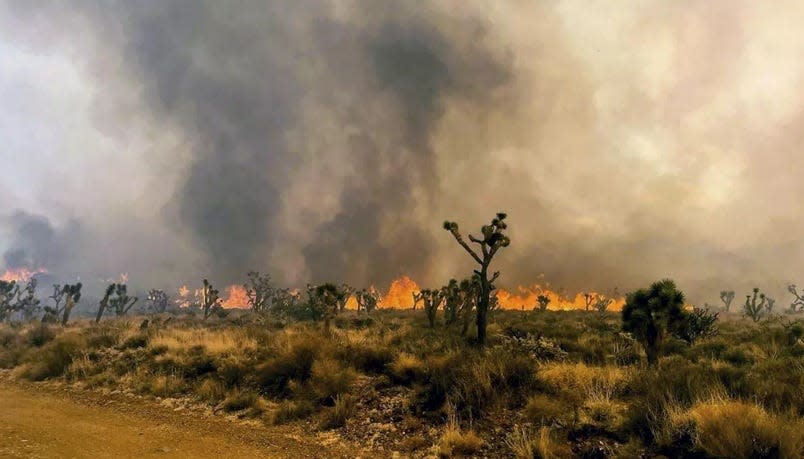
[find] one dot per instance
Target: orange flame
(236, 299)
(527, 298)
(400, 293)
(20, 274)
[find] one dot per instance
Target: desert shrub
(407, 368)
(335, 417)
(777, 385)
(240, 400)
(545, 410)
(369, 358)
(233, 371)
(455, 442)
(197, 363)
(543, 444)
(579, 377)
(211, 391)
(53, 359)
(137, 341)
(726, 428)
(292, 363)
(290, 410)
(162, 385)
(738, 355)
(102, 336)
(329, 379)
(40, 335)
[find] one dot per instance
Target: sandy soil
(47, 422)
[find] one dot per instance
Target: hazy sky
(628, 141)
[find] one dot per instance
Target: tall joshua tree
(259, 291)
(542, 302)
(115, 299)
(72, 294)
(8, 291)
(492, 240)
(753, 306)
(210, 301)
(325, 298)
(798, 303)
(727, 296)
(650, 314)
(156, 302)
(367, 299)
(452, 300)
(431, 299)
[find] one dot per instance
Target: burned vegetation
(453, 376)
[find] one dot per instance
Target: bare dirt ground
(40, 421)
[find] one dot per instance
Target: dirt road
(41, 422)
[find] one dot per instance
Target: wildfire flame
(20, 274)
(400, 296)
(527, 298)
(236, 299)
(400, 293)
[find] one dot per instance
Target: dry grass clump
(344, 408)
(211, 391)
(162, 385)
(214, 341)
(580, 377)
(291, 410)
(545, 410)
(544, 444)
(455, 442)
(330, 379)
(407, 368)
(731, 428)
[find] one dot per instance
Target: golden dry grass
(219, 341)
(736, 429)
(455, 442)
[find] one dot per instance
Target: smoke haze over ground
(328, 140)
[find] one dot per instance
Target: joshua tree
(431, 299)
(542, 302)
(798, 303)
(727, 296)
(116, 299)
(72, 294)
(259, 291)
(8, 292)
(700, 323)
(769, 304)
(210, 301)
(452, 301)
(27, 303)
(470, 294)
(602, 303)
(325, 299)
(156, 302)
(649, 314)
(367, 299)
(52, 312)
(493, 239)
(754, 305)
(346, 292)
(589, 299)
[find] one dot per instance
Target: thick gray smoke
(327, 140)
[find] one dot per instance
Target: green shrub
(329, 379)
(40, 335)
(294, 363)
(240, 400)
(53, 359)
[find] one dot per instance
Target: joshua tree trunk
(68, 308)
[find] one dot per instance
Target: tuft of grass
(211, 391)
(335, 417)
(730, 428)
(53, 359)
(330, 379)
(240, 400)
(455, 442)
(545, 410)
(407, 368)
(544, 444)
(290, 410)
